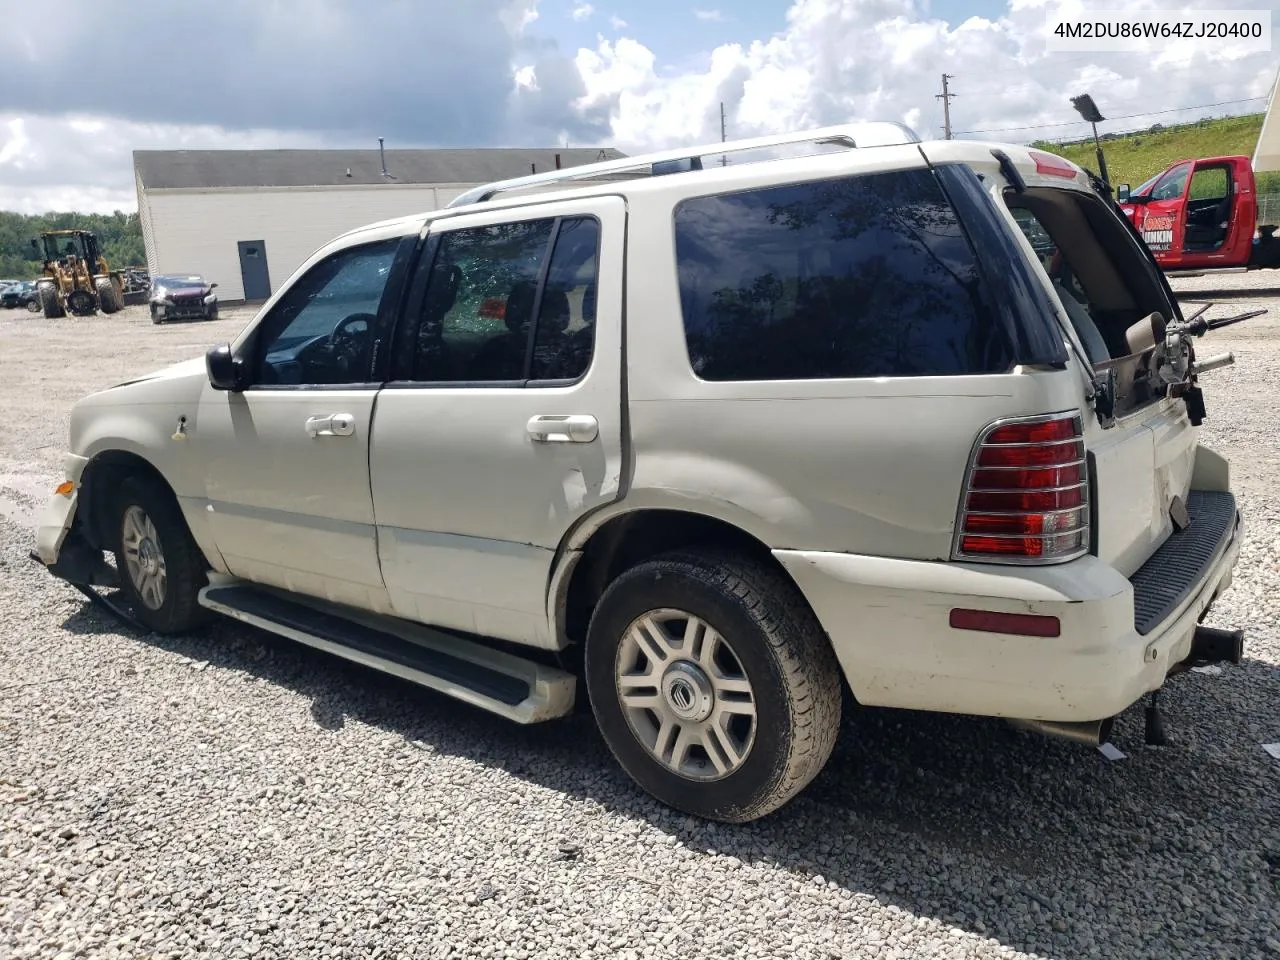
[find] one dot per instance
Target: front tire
(161, 569)
(108, 302)
(49, 302)
(713, 684)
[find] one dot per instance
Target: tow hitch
(1208, 645)
(1211, 645)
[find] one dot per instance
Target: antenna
(382, 154)
(945, 96)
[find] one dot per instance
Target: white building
(246, 219)
(1266, 156)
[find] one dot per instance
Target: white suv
(718, 441)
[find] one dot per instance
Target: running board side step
(508, 685)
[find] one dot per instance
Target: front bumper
(184, 309)
(888, 621)
(58, 516)
(61, 544)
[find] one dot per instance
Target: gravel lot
(232, 795)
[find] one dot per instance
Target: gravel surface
(233, 795)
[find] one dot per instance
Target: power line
(1129, 116)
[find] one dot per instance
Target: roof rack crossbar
(682, 159)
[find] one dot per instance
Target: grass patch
(1134, 158)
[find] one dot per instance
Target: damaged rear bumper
(1119, 639)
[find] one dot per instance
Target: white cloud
(617, 22)
(582, 11)
(85, 163)
(710, 16)
(833, 61)
(838, 61)
(527, 78)
(14, 149)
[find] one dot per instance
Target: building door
(253, 269)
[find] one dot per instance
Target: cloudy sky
(121, 75)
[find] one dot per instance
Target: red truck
(1201, 215)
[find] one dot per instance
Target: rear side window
(867, 276)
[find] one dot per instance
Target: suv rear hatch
(1104, 282)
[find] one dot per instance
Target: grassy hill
(1133, 158)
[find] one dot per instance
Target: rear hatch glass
(1106, 286)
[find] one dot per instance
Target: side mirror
(34, 253)
(212, 285)
(226, 371)
(1122, 193)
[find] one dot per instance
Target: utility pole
(945, 96)
(724, 161)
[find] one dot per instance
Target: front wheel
(49, 302)
(161, 568)
(713, 684)
(107, 298)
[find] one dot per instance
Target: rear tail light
(1026, 494)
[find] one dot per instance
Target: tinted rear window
(868, 276)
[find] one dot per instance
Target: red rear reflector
(1052, 166)
(1019, 624)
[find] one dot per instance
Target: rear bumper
(889, 622)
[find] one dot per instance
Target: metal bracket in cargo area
(1104, 398)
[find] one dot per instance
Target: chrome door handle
(575, 428)
(334, 425)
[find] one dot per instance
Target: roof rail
(683, 159)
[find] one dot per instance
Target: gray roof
(228, 169)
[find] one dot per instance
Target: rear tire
(49, 303)
(750, 717)
(161, 569)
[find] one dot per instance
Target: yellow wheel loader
(75, 278)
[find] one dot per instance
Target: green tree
(119, 234)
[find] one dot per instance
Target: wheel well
(102, 475)
(635, 537)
